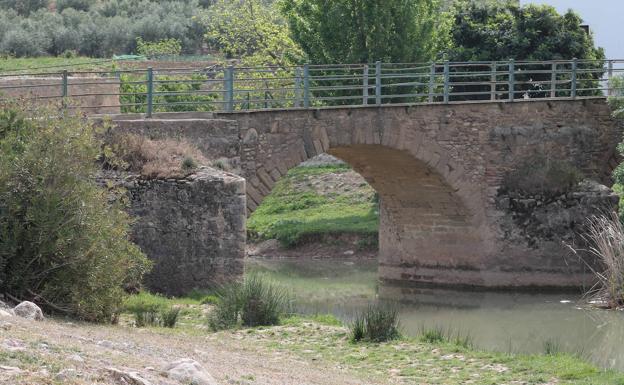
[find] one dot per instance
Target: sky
(604, 18)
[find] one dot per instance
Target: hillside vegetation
(310, 202)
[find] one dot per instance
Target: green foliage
(23, 7)
(62, 244)
(171, 93)
(252, 302)
(210, 300)
(293, 215)
(100, 29)
(376, 324)
(387, 30)
(79, 5)
(503, 30)
(251, 30)
(158, 48)
(152, 310)
(542, 175)
(169, 317)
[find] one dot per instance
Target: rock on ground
(28, 310)
(189, 371)
(130, 378)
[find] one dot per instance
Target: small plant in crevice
(377, 323)
(254, 301)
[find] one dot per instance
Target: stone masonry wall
(193, 229)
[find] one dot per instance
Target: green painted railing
(310, 86)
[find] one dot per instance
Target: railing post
(306, 85)
(493, 68)
(365, 85)
(574, 69)
(297, 102)
(610, 90)
(447, 81)
(64, 87)
(378, 82)
(229, 88)
(150, 92)
(432, 75)
(65, 83)
(553, 80)
(512, 78)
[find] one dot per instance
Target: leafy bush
(376, 324)
(169, 317)
(170, 94)
(62, 244)
(158, 48)
(252, 302)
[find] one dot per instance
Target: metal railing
(245, 88)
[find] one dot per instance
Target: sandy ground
(63, 352)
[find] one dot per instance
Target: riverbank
(300, 351)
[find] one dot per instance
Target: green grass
(53, 64)
(412, 361)
(294, 213)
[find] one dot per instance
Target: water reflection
(507, 322)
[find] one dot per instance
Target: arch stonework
(438, 170)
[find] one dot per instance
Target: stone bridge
(447, 216)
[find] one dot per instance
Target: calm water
(506, 322)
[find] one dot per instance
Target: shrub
(23, 7)
(376, 324)
(158, 48)
(169, 317)
(151, 310)
(62, 244)
(252, 302)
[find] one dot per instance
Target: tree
(363, 31)
(250, 30)
(502, 30)
(23, 7)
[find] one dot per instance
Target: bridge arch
(438, 170)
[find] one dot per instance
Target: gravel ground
(62, 352)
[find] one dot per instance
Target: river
(506, 322)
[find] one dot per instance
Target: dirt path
(60, 352)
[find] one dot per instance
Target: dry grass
(165, 158)
(605, 237)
